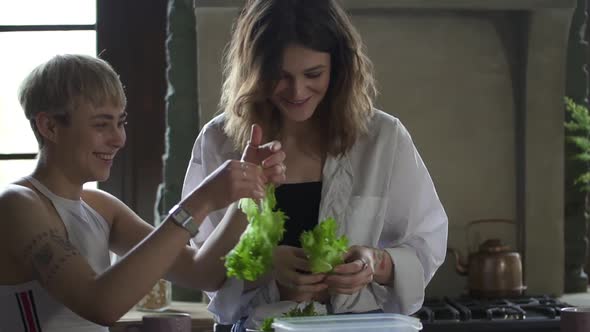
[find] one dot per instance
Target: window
(31, 32)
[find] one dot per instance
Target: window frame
(39, 28)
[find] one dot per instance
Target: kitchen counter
(577, 299)
(202, 320)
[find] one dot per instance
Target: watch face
(178, 212)
(184, 219)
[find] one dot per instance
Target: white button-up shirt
(380, 194)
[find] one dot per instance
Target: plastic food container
(352, 322)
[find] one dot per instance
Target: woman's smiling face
(304, 81)
(88, 144)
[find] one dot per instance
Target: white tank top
(28, 307)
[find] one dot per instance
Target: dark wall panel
(131, 37)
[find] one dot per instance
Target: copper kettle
(494, 270)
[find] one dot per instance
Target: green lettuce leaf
(252, 256)
(308, 310)
(267, 325)
(323, 247)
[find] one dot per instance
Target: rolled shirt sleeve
(415, 213)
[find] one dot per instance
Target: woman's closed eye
(104, 125)
(311, 75)
(100, 125)
(314, 74)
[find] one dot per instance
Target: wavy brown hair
(252, 67)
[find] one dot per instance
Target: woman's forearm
(125, 283)
(137, 272)
(210, 255)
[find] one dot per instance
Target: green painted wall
(182, 116)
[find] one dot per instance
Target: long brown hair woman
(298, 69)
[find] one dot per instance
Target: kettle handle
(484, 221)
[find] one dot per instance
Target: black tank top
(301, 203)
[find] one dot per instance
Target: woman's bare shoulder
(106, 204)
(14, 195)
(22, 207)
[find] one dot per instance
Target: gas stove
(462, 314)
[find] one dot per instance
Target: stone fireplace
(479, 84)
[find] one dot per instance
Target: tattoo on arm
(42, 252)
(62, 242)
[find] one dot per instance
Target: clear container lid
(352, 322)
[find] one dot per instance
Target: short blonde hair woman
(55, 269)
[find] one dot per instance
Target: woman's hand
(292, 273)
(357, 271)
(269, 156)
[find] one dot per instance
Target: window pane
(44, 12)
(23, 51)
(12, 170)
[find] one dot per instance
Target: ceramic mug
(168, 322)
(575, 319)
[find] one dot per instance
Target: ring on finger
(365, 263)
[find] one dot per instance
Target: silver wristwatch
(184, 219)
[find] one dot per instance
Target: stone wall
(479, 84)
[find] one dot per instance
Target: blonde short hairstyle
(264, 28)
(60, 85)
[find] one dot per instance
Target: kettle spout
(460, 264)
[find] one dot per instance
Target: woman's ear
(47, 126)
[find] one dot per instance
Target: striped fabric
(28, 311)
(28, 307)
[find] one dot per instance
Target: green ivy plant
(578, 133)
